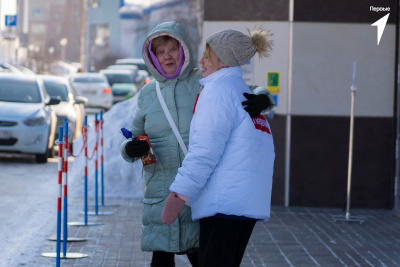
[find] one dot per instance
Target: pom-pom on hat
(235, 48)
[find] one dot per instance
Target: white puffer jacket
(229, 166)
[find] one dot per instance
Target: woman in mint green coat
(168, 55)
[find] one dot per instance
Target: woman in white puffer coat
(227, 174)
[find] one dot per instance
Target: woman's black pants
(167, 259)
(223, 241)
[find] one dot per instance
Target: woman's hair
(212, 57)
(162, 40)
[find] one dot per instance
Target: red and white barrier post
(102, 161)
(85, 138)
(61, 171)
(65, 155)
(102, 158)
(57, 255)
(65, 179)
(85, 174)
(96, 171)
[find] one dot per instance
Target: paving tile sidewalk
(292, 237)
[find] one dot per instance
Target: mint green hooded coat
(180, 96)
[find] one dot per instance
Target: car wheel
(42, 158)
(51, 152)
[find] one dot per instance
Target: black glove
(256, 104)
(136, 148)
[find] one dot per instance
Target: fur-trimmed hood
(175, 30)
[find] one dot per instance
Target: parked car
(132, 68)
(10, 68)
(71, 105)
(142, 79)
(24, 70)
(133, 61)
(95, 87)
(122, 82)
(27, 122)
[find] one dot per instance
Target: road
(28, 207)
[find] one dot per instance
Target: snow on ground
(121, 179)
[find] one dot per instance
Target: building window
(37, 13)
(102, 34)
(57, 29)
(75, 32)
(74, 14)
(57, 14)
(38, 28)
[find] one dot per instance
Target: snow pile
(121, 179)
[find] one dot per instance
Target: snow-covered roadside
(121, 179)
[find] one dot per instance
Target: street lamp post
(50, 58)
(63, 43)
(33, 56)
(51, 50)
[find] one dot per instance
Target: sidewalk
(292, 237)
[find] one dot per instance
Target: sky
(8, 6)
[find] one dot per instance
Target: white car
(27, 122)
(133, 61)
(122, 82)
(95, 87)
(71, 107)
(132, 68)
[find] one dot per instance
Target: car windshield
(119, 78)
(58, 90)
(12, 90)
(142, 66)
(90, 79)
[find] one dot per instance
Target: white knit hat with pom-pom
(235, 48)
